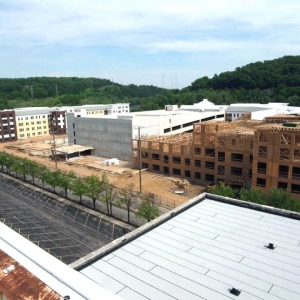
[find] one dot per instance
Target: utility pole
(31, 91)
(54, 142)
(56, 89)
(140, 158)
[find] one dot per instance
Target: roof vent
(235, 291)
(9, 269)
(271, 246)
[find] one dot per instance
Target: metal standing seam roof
(205, 251)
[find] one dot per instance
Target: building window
(262, 151)
(21, 135)
(45, 132)
(209, 165)
(197, 150)
(250, 174)
(144, 165)
(282, 185)
(28, 134)
(210, 152)
(74, 141)
(27, 123)
(176, 172)
(221, 156)
(145, 154)
(296, 173)
(283, 171)
(197, 175)
(166, 159)
(155, 156)
(295, 188)
(20, 124)
(237, 157)
(187, 173)
(221, 170)
(209, 177)
(33, 128)
(261, 182)
(176, 160)
(155, 168)
(261, 167)
(197, 163)
(251, 159)
(236, 171)
(187, 161)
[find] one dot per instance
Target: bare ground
(120, 176)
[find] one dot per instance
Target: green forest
(275, 80)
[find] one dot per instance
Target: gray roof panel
(204, 251)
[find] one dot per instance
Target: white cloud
(148, 28)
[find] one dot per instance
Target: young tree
(222, 190)
(42, 174)
(109, 194)
(78, 187)
(147, 210)
(93, 188)
(253, 195)
(3, 156)
(66, 180)
(32, 168)
(126, 198)
(17, 166)
(53, 178)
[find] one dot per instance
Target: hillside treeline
(261, 82)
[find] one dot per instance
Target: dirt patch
(161, 187)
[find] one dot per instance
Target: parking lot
(64, 230)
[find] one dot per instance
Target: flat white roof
(204, 251)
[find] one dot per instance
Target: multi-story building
(260, 154)
(32, 122)
(57, 122)
(111, 135)
(8, 129)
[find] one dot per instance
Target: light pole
(22, 164)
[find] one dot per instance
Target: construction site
(245, 153)
(167, 191)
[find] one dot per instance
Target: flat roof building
(209, 248)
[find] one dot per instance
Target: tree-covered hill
(284, 71)
(275, 80)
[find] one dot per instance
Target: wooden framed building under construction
(255, 153)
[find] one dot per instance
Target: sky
(166, 43)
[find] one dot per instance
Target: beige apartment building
(32, 123)
(261, 154)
